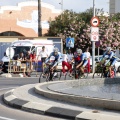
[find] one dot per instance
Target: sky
(75, 5)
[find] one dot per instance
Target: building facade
(22, 20)
(114, 6)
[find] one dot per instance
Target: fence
(22, 66)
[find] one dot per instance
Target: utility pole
(39, 19)
(93, 43)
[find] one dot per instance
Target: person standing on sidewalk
(43, 54)
(88, 57)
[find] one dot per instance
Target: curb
(103, 103)
(39, 108)
(10, 99)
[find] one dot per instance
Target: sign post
(94, 23)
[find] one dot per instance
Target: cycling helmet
(108, 49)
(79, 51)
(56, 49)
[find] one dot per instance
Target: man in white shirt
(69, 55)
(43, 54)
(88, 57)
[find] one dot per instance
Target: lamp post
(39, 19)
(93, 43)
(61, 3)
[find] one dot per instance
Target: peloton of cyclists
(109, 57)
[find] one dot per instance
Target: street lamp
(39, 19)
(93, 43)
(61, 3)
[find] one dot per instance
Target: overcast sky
(75, 5)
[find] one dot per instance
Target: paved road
(8, 113)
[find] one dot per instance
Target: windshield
(20, 49)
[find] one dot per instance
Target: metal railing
(22, 66)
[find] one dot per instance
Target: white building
(114, 6)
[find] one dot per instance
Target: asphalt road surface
(9, 113)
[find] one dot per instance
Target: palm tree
(39, 19)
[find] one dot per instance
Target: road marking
(4, 118)
(7, 88)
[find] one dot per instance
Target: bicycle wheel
(74, 74)
(85, 73)
(98, 72)
(60, 75)
(115, 71)
(40, 77)
(47, 77)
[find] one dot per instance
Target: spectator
(15, 64)
(65, 62)
(75, 53)
(43, 54)
(70, 57)
(23, 65)
(28, 63)
(22, 57)
(1, 67)
(5, 60)
(88, 57)
(34, 60)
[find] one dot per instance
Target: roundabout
(71, 99)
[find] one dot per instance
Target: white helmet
(108, 49)
(79, 51)
(56, 49)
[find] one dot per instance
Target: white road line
(7, 88)
(4, 118)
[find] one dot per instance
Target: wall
(23, 18)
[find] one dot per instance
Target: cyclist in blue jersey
(80, 60)
(55, 58)
(109, 56)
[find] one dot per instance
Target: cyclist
(56, 55)
(109, 56)
(80, 60)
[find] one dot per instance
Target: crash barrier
(23, 66)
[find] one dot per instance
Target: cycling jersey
(57, 58)
(110, 57)
(80, 58)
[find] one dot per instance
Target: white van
(32, 45)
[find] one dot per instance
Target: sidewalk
(25, 98)
(33, 74)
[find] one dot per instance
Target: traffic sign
(70, 42)
(10, 52)
(94, 21)
(94, 34)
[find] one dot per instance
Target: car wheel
(118, 70)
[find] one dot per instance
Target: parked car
(97, 58)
